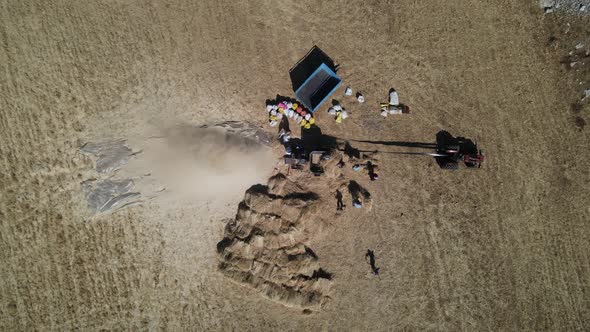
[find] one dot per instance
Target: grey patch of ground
(577, 7)
(108, 195)
(110, 155)
(247, 130)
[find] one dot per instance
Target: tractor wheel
(450, 165)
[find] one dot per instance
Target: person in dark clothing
(339, 204)
(371, 255)
(371, 168)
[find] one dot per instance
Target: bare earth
(502, 248)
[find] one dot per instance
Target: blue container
(318, 87)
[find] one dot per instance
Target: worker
(371, 168)
(339, 203)
(284, 136)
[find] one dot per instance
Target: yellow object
(311, 121)
(294, 106)
(281, 110)
(339, 117)
(272, 118)
(303, 123)
(307, 126)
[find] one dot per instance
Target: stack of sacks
(394, 106)
(338, 112)
(296, 112)
(291, 110)
(274, 114)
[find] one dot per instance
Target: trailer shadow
(308, 64)
(313, 139)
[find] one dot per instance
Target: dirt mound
(265, 246)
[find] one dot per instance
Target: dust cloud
(201, 163)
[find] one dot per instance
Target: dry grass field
(502, 248)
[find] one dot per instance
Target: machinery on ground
(449, 153)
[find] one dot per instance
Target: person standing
(339, 203)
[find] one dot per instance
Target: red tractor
(451, 151)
